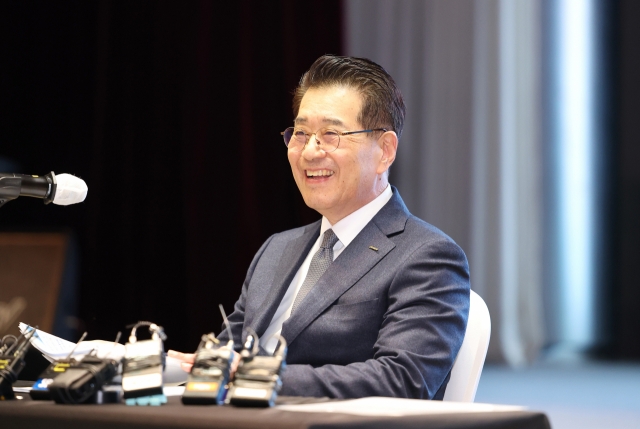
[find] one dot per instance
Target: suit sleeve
(421, 333)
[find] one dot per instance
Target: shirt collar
(349, 227)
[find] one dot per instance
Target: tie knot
(329, 239)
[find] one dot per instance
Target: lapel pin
(373, 248)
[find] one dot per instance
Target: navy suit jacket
(387, 318)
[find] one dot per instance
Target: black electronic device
(257, 380)
(12, 362)
(209, 376)
(82, 381)
(144, 363)
(40, 389)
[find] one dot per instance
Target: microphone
(63, 189)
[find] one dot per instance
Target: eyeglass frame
(340, 134)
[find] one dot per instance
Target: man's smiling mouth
(319, 173)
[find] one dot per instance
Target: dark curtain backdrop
(171, 112)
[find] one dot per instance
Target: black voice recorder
(12, 362)
(257, 381)
(71, 381)
(209, 377)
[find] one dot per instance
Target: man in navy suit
(371, 300)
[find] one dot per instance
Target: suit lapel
(292, 257)
(352, 264)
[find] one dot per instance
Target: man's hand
(187, 359)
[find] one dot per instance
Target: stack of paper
(55, 348)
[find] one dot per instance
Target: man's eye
(299, 133)
(331, 133)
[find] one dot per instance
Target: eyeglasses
(328, 139)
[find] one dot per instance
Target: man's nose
(313, 148)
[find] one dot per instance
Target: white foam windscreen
(70, 190)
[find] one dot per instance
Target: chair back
(467, 367)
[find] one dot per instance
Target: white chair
(467, 367)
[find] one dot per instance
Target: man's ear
(389, 144)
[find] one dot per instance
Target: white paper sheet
(55, 348)
(50, 345)
(392, 407)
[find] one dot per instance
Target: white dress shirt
(346, 230)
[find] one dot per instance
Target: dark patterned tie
(319, 264)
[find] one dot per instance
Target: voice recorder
(257, 381)
(12, 362)
(144, 363)
(209, 376)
